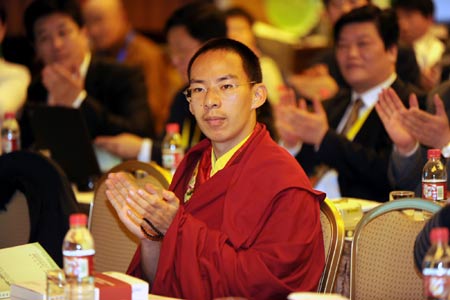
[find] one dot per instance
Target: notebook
(63, 132)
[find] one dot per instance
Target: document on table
(28, 262)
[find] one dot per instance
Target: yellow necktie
(353, 116)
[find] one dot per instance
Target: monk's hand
(156, 206)
(118, 186)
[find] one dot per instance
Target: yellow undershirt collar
(220, 163)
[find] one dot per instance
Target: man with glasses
(240, 217)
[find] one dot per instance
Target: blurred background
(287, 30)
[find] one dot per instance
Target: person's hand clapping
(63, 85)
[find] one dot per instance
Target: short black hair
(425, 7)
(202, 20)
(250, 61)
(384, 20)
(240, 12)
(43, 8)
(327, 2)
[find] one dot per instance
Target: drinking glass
(56, 285)
(395, 195)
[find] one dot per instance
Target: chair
(114, 244)
(333, 236)
(36, 200)
(382, 263)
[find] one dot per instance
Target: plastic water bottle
(10, 133)
(434, 177)
(436, 266)
(78, 253)
(172, 149)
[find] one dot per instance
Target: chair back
(382, 263)
(36, 199)
(114, 244)
(16, 212)
(333, 236)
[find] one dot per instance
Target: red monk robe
(252, 230)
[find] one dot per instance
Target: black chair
(48, 194)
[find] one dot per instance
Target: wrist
(407, 150)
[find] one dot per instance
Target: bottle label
(171, 159)
(9, 145)
(436, 283)
(435, 191)
(78, 264)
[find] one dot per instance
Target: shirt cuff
(145, 154)
(292, 150)
(79, 100)
(410, 153)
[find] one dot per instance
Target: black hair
(384, 20)
(425, 7)
(240, 12)
(250, 61)
(39, 9)
(202, 20)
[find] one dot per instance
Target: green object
(295, 16)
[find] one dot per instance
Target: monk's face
(223, 99)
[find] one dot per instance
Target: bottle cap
(439, 234)
(78, 219)
(173, 128)
(10, 115)
(436, 153)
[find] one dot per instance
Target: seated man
(111, 97)
(346, 138)
(111, 35)
(324, 78)
(415, 19)
(225, 228)
(412, 131)
(186, 30)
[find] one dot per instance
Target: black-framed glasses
(197, 93)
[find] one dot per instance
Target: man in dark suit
(112, 98)
(343, 143)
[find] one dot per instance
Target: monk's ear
(259, 95)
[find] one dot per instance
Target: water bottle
(172, 149)
(78, 256)
(436, 266)
(10, 133)
(434, 177)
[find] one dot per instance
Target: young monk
(240, 217)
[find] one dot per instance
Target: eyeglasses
(196, 93)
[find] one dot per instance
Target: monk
(240, 217)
